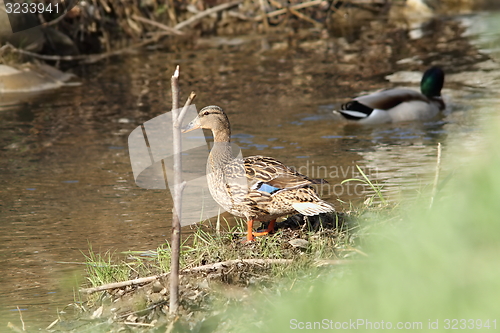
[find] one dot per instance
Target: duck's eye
(205, 113)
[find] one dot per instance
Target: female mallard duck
(257, 188)
(393, 105)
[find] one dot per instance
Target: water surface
(65, 175)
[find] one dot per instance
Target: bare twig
(276, 3)
(177, 117)
(302, 16)
(138, 324)
(207, 12)
(52, 324)
(175, 91)
(90, 58)
(240, 16)
(178, 121)
(436, 176)
(284, 10)
(228, 263)
(157, 24)
(263, 8)
(122, 284)
(21, 317)
(56, 20)
(105, 6)
(46, 57)
(177, 196)
(208, 268)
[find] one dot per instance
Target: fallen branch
(57, 19)
(158, 25)
(207, 268)
(302, 16)
(88, 58)
(98, 57)
(92, 58)
(240, 16)
(122, 284)
(207, 12)
(224, 264)
(284, 10)
(313, 3)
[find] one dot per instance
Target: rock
(486, 79)
(299, 243)
(157, 287)
(97, 313)
(203, 284)
(29, 80)
(32, 78)
(132, 318)
(156, 298)
(405, 76)
(412, 61)
(487, 65)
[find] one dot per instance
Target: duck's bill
(194, 124)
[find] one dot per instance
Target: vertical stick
(436, 176)
(177, 196)
(263, 7)
(177, 116)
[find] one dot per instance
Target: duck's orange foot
(251, 234)
(260, 233)
(269, 230)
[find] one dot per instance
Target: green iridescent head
(432, 82)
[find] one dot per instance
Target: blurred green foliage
(438, 269)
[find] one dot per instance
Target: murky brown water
(66, 179)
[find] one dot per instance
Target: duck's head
(432, 82)
(210, 117)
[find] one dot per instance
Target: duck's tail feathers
(312, 208)
(354, 110)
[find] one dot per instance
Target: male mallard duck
(257, 188)
(393, 105)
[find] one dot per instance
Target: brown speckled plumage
(234, 182)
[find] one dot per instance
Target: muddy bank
(219, 273)
(112, 27)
